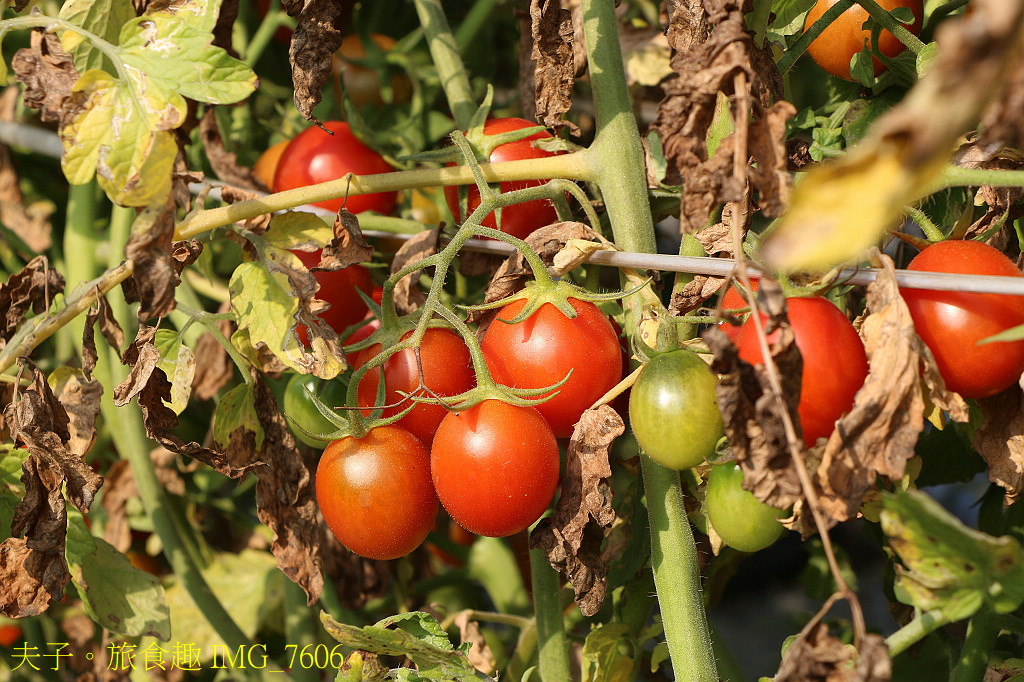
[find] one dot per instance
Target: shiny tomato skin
(835, 363)
(952, 323)
(375, 492)
(733, 302)
(740, 519)
(338, 287)
(9, 634)
(845, 37)
(540, 351)
(673, 410)
(521, 219)
(315, 156)
(447, 371)
(495, 467)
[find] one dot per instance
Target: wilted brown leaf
(149, 249)
(120, 486)
(817, 656)
(693, 295)
(33, 288)
(348, 246)
(1000, 440)
(80, 396)
(552, 54)
(224, 163)
(479, 654)
(408, 295)
(571, 538)
(316, 38)
(100, 312)
(48, 72)
(214, 367)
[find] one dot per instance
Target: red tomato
(9, 634)
(835, 364)
(540, 351)
(314, 156)
(266, 166)
(447, 371)
(375, 492)
(338, 287)
(845, 36)
(521, 219)
(495, 467)
(733, 301)
(952, 323)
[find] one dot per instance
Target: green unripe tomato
(673, 410)
(302, 414)
(740, 519)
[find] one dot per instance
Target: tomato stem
(554, 645)
(887, 22)
(981, 637)
(444, 52)
(923, 624)
(804, 41)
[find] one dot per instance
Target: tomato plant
(447, 371)
(954, 324)
(302, 413)
(266, 165)
(361, 83)
(338, 288)
(9, 634)
(495, 467)
(673, 410)
(518, 220)
(734, 303)
(542, 349)
(835, 363)
(846, 36)
(740, 519)
(375, 492)
(315, 156)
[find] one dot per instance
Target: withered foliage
(120, 486)
(48, 73)
(408, 295)
(224, 162)
(150, 384)
(1000, 441)
(551, 28)
(214, 367)
(571, 538)
(357, 579)
(713, 52)
(30, 289)
(101, 313)
(348, 246)
(33, 570)
(316, 38)
(30, 223)
(1003, 202)
(479, 654)
(817, 656)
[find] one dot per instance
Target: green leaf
(493, 564)
(119, 597)
(1012, 334)
(610, 654)
(200, 14)
(102, 18)
(11, 488)
(417, 636)
(948, 567)
(296, 229)
(789, 17)
(179, 364)
(237, 410)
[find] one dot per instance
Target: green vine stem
(981, 638)
(445, 54)
(888, 23)
(554, 645)
(804, 41)
(923, 624)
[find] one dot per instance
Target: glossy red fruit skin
(447, 371)
(521, 219)
(338, 287)
(835, 363)
(495, 467)
(733, 301)
(315, 156)
(953, 323)
(845, 37)
(375, 492)
(540, 351)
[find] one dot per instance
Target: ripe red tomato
(338, 287)
(845, 36)
(314, 156)
(521, 219)
(447, 371)
(540, 351)
(495, 467)
(9, 634)
(733, 302)
(952, 323)
(835, 364)
(266, 166)
(375, 492)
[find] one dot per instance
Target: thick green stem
(954, 176)
(981, 637)
(445, 54)
(474, 20)
(924, 623)
(677, 576)
(554, 645)
(885, 20)
(805, 40)
(298, 628)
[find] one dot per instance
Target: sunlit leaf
(102, 18)
(179, 364)
(237, 410)
(610, 654)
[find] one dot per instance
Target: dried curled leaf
(49, 74)
(408, 295)
(316, 38)
(571, 538)
(348, 246)
(554, 68)
(1000, 441)
(224, 163)
(31, 289)
(817, 656)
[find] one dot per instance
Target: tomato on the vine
(673, 410)
(266, 166)
(846, 36)
(952, 324)
(542, 349)
(518, 220)
(835, 363)
(375, 492)
(495, 467)
(361, 83)
(740, 519)
(9, 634)
(447, 371)
(315, 156)
(733, 303)
(303, 415)
(338, 287)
